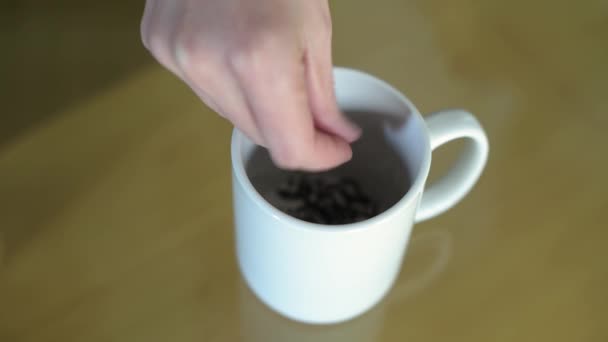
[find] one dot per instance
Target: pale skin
(265, 65)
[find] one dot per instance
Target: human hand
(265, 65)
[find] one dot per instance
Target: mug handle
(445, 126)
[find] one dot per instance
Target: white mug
(322, 274)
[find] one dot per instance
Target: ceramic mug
(322, 274)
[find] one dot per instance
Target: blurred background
(55, 53)
(115, 203)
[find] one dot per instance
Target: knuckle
(155, 43)
(146, 37)
(186, 51)
(158, 48)
(194, 57)
(182, 50)
(198, 55)
(253, 51)
(143, 35)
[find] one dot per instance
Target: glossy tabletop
(115, 194)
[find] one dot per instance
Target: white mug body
(325, 274)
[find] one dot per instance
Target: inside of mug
(386, 159)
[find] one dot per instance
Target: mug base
(311, 319)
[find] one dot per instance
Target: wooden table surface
(115, 200)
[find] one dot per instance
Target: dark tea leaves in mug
(325, 200)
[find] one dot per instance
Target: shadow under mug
(329, 274)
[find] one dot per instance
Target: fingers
(146, 21)
(278, 99)
(326, 113)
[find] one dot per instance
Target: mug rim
(420, 175)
